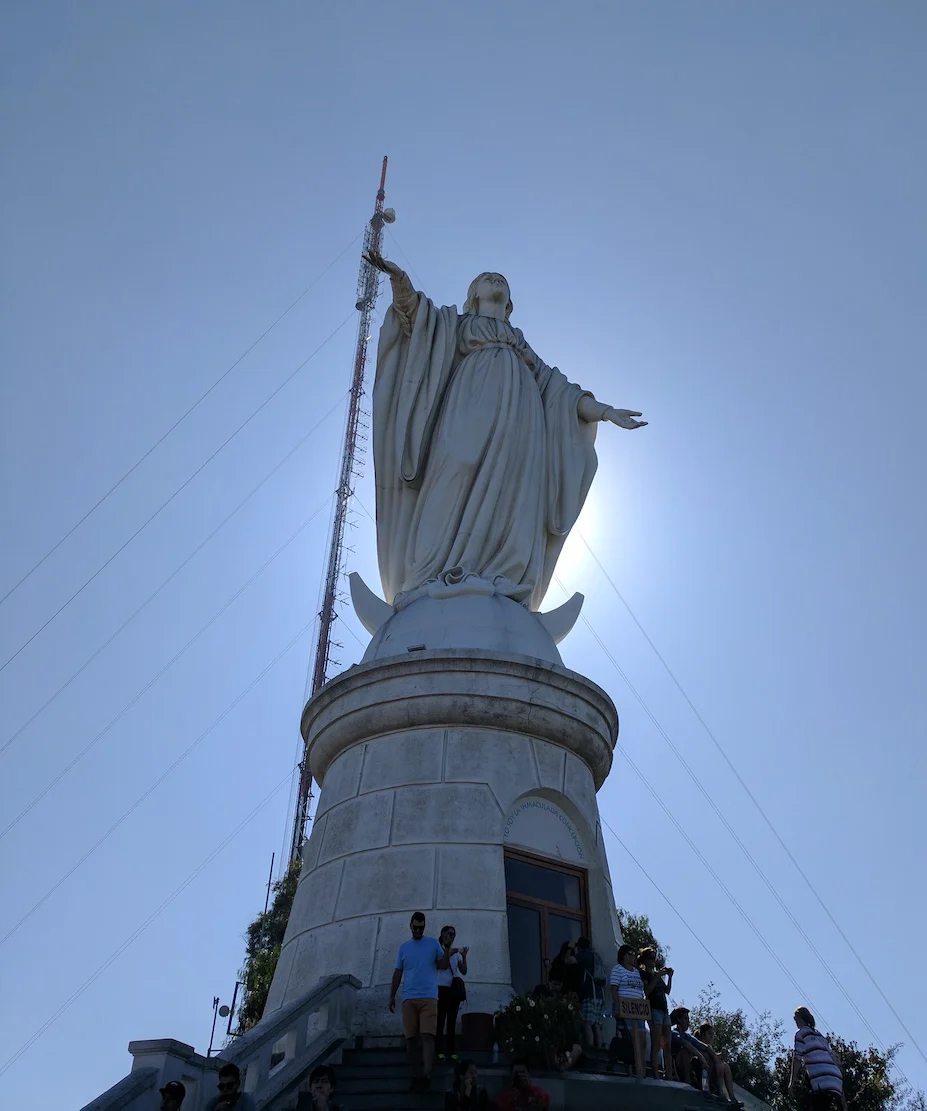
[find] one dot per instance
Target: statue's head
(488, 287)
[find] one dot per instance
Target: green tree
(913, 1100)
(636, 931)
(750, 1046)
(264, 941)
(761, 1064)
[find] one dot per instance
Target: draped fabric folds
(482, 463)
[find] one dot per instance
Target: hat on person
(174, 1088)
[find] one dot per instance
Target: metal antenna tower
(368, 286)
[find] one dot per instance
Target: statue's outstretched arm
(405, 299)
(590, 410)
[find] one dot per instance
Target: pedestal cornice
(461, 689)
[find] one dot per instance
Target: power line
(177, 423)
(157, 783)
(761, 812)
(701, 856)
(698, 852)
(170, 577)
(682, 919)
(128, 706)
(155, 914)
(180, 488)
(751, 859)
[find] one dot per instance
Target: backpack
(621, 1048)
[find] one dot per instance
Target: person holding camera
(658, 982)
(452, 992)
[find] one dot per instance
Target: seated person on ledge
(690, 1056)
(521, 1093)
(569, 1056)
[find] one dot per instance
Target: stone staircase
(278, 1055)
(378, 1080)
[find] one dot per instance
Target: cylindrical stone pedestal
(432, 767)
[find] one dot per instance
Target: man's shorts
(419, 1016)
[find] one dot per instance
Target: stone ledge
(457, 689)
(162, 1045)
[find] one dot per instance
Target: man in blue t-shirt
(418, 962)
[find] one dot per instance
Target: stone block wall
(415, 818)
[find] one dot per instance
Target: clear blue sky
(710, 212)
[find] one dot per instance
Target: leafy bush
(537, 1027)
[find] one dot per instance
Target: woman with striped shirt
(824, 1072)
(626, 983)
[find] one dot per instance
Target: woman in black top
(656, 989)
(566, 970)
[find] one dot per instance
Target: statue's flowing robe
(482, 463)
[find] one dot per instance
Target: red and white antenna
(368, 286)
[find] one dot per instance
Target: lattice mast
(368, 286)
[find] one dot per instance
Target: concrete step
(371, 1080)
(348, 1073)
(379, 1058)
(377, 1079)
(387, 1085)
(405, 1101)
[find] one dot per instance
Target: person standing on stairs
(591, 1003)
(419, 960)
(626, 983)
(658, 983)
(824, 1072)
(452, 992)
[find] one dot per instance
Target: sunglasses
(227, 1085)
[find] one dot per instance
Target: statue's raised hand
(383, 265)
(624, 418)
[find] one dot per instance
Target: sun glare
(575, 568)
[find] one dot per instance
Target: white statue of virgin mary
(483, 453)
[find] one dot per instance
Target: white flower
(536, 1038)
(518, 1008)
(530, 1002)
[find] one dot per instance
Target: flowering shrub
(537, 1028)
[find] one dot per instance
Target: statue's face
(492, 288)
